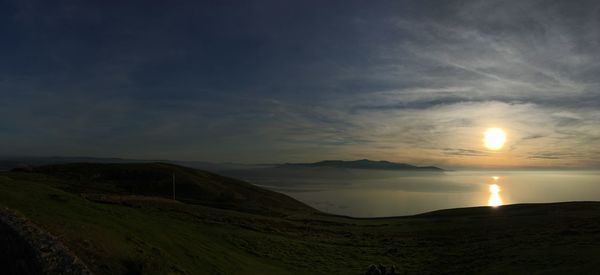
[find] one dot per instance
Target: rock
(44, 254)
(381, 270)
(373, 270)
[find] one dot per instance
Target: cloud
(464, 152)
(549, 155)
(267, 82)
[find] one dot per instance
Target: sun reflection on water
(495, 199)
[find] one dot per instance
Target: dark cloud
(533, 136)
(464, 152)
(550, 155)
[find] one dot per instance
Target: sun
(494, 138)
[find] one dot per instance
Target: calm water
(393, 194)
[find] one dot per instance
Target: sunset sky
(296, 81)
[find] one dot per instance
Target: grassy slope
(129, 235)
(155, 179)
(158, 236)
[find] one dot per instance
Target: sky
(295, 81)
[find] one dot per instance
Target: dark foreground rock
(381, 270)
(27, 249)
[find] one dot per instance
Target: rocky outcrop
(27, 249)
(381, 270)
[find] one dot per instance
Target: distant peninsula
(364, 164)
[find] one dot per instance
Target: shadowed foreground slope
(121, 233)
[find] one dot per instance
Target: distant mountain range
(363, 164)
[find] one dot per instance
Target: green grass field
(118, 233)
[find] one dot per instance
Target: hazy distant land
(363, 164)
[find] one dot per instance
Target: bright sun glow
(495, 199)
(494, 138)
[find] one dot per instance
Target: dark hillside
(517, 210)
(156, 179)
